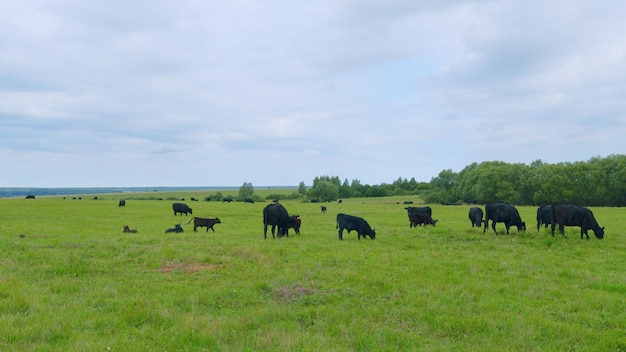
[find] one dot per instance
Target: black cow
(181, 208)
(574, 215)
(418, 219)
(30, 196)
(249, 200)
(323, 208)
(350, 223)
(176, 228)
(204, 222)
(500, 212)
(476, 216)
(225, 200)
(275, 214)
(423, 210)
(543, 215)
(121, 203)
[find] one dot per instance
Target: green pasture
(70, 280)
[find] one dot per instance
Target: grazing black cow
(408, 202)
(121, 203)
(177, 228)
(225, 200)
(128, 229)
(275, 214)
(500, 212)
(204, 222)
(181, 208)
(323, 208)
(418, 219)
(30, 196)
(249, 200)
(543, 215)
(350, 223)
(476, 216)
(574, 215)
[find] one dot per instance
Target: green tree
(246, 190)
(302, 188)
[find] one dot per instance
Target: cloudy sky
(217, 93)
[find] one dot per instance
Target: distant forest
(596, 182)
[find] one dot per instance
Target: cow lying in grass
(128, 229)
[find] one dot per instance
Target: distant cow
(323, 208)
(476, 216)
(275, 215)
(574, 215)
(418, 219)
(30, 196)
(128, 229)
(176, 228)
(204, 222)
(350, 223)
(408, 202)
(121, 203)
(181, 208)
(543, 215)
(249, 200)
(225, 200)
(500, 212)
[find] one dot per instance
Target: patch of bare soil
(290, 293)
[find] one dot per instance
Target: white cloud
(279, 92)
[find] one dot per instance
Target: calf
(128, 229)
(177, 228)
(204, 222)
(294, 223)
(323, 208)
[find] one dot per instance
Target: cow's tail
(191, 219)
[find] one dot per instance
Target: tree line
(596, 182)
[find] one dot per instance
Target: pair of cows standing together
(275, 215)
(555, 214)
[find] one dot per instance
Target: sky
(107, 93)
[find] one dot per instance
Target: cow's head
(599, 233)
(373, 234)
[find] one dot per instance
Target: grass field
(70, 280)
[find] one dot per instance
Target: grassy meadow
(71, 280)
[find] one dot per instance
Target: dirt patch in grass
(290, 293)
(188, 267)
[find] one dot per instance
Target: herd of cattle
(276, 216)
